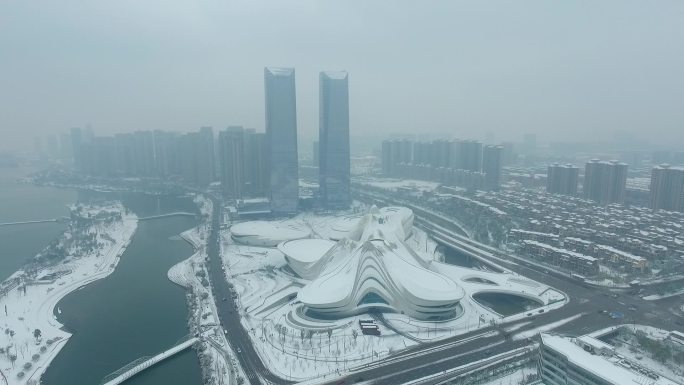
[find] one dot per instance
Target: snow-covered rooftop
(598, 365)
(306, 250)
(263, 233)
(373, 260)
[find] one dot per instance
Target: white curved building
(267, 234)
(371, 269)
(302, 255)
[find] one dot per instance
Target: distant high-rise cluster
(667, 188)
(147, 154)
(464, 163)
(562, 179)
(605, 181)
(243, 155)
(248, 164)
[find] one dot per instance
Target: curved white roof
(306, 250)
(372, 267)
(262, 233)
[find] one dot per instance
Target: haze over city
(342, 192)
(569, 71)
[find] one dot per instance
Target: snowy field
(629, 348)
(298, 347)
(31, 335)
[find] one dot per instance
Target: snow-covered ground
(32, 336)
(545, 328)
(297, 347)
(656, 297)
(515, 378)
(630, 349)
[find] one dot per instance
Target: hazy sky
(563, 69)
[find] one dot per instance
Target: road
(236, 334)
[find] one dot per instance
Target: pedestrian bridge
(174, 214)
(145, 362)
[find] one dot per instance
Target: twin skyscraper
(281, 134)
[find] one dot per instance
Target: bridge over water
(174, 214)
(142, 363)
(58, 219)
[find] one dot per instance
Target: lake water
(21, 202)
(134, 312)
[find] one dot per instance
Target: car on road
(616, 315)
(239, 351)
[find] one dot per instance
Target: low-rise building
(588, 361)
(566, 259)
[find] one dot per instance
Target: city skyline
(502, 75)
(295, 191)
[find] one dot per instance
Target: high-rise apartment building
(492, 164)
(232, 161)
(205, 156)
(421, 153)
(166, 153)
(667, 188)
(562, 179)
(440, 156)
(256, 164)
(396, 152)
(188, 145)
(333, 136)
(143, 153)
(469, 153)
(196, 150)
(281, 130)
(605, 182)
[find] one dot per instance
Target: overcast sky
(562, 69)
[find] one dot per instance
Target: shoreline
(217, 358)
(36, 306)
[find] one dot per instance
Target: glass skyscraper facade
(281, 131)
(334, 139)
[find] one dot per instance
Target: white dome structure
(372, 269)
